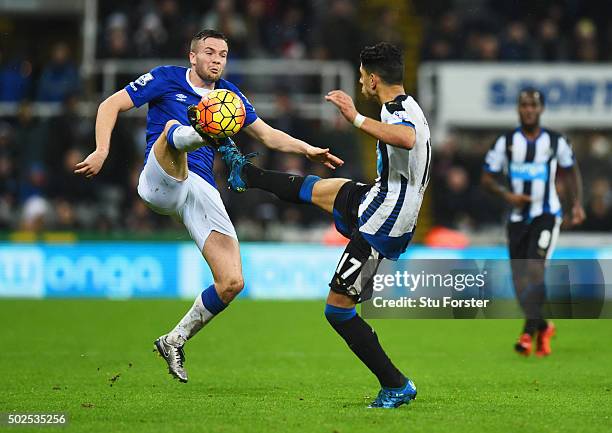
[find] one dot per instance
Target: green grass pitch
(278, 367)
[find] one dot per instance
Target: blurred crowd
(255, 28)
(521, 31)
(39, 192)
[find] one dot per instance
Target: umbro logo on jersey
(180, 97)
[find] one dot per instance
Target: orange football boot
(543, 340)
(523, 345)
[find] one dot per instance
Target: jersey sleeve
(565, 153)
(251, 115)
(496, 156)
(147, 87)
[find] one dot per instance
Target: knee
(335, 314)
(535, 272)
(230, 287)
(169, 125)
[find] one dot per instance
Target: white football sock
(190, 324)
(185, 139)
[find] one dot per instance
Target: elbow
(108, 106)
(408, 142)
(103, 105)
(485, 180)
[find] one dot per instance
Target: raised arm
(106, 118)
(281, 141)
(398, 135)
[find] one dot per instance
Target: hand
(344, 103)
(324, 157)
(91, 165)
(578, 215)
(517, 200)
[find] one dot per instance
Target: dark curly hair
(386, 60)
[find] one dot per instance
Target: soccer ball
(221, 113)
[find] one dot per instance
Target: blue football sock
(306, 189)
(211, 300)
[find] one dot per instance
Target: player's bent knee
(230, 288)
(169, 125)
(335, 314)
(535, 271)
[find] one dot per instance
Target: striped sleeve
(565, 153)
(495, 160)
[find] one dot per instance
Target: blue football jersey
(168, 91)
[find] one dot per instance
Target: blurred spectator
(64, 184)
(550, 45)
(116, 37)
(224, 18)
(488, 47)
(516, 46)
(342, 141)
(258, 25)
(70, 130)
(287, 118)
(34, 183)
(598, 161)
(15, 79)
(445, 40)
(65, 215)
(30, 137)
(176, 42)
(585, 43)
(454, 203)
(599, 206)
(140, 218)
(35, 214)
(9, 186)
(339, 33)
(60, 76)
(150, 36)
(388, 28)
(288, 37)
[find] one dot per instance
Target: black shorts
(534, 240)
(346, 207)
(359, 261)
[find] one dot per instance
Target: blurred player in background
(177, 178)
(529, 155)
(378, 219)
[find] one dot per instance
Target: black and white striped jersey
(389, 211)
(531, 167)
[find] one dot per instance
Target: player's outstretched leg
(223, 256)
(287, 187)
